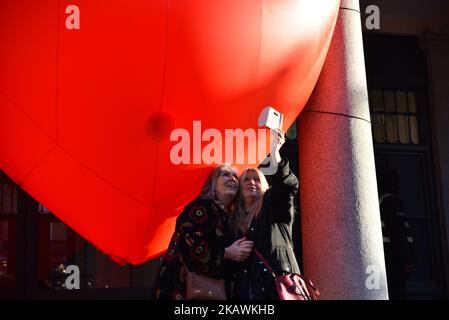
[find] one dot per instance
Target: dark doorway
(397, 82)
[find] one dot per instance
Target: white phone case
(270, 118)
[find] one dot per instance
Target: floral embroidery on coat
(199, 238)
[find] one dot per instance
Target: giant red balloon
(86, 114)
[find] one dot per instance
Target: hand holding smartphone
(272, 119)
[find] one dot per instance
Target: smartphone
(270, 118)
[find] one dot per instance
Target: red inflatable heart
(86, 114)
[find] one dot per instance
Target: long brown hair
(208, 190)
(242, 218)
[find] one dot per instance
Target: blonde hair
(208, 190)
(242, 219)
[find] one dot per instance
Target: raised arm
(284, 186)
(283, 192)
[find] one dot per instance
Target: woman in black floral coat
(199, 237)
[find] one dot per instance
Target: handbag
(199, 287)
(291, 286)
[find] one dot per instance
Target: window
(394, 117)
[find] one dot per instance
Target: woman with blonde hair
(264, 216)
(199, 236)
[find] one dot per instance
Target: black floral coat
(272, 236)
(199, 238)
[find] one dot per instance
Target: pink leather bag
(291, 286)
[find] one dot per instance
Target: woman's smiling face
(227, 184)
(251, 185)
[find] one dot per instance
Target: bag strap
(265, 262)
(261, 257)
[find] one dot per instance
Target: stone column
(341, 228)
